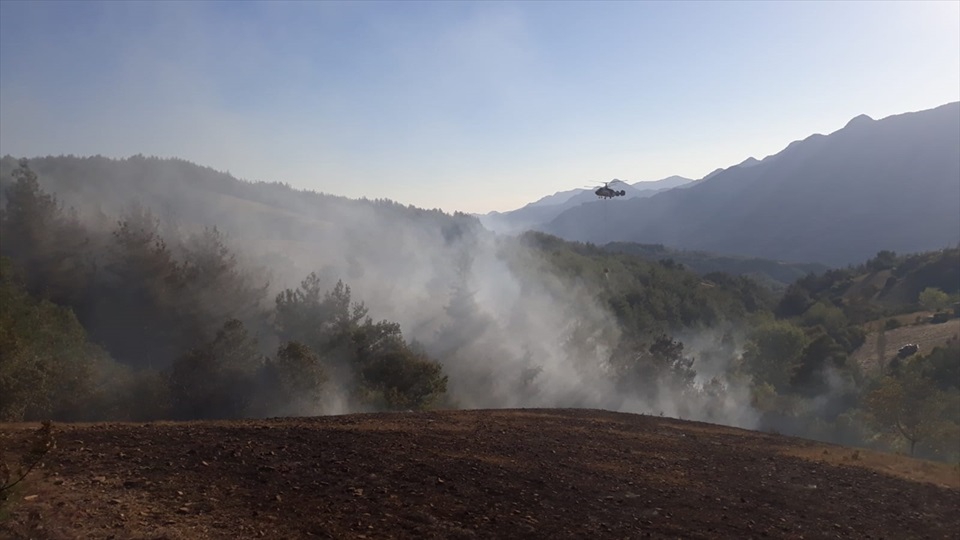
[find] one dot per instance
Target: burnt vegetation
(128, 317)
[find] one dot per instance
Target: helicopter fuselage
(607, 193)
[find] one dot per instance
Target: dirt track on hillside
(467, 474)
(928, 336)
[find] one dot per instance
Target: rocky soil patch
(468, 474)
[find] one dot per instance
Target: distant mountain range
(890, 184)
(547, 208)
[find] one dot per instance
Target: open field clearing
(927, 336)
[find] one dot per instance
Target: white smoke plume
(508, 331)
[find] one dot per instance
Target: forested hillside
(311, 305)
(886, 285)
(776, 274)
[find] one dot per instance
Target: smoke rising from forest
(199, 296)
(509, 329)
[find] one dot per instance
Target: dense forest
(774, 274)
(140, 311)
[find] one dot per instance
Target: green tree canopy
(217, 379)
(934, 299)
(772, 354)
(912, 407)
(46, 362)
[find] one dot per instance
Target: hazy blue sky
(459, 105)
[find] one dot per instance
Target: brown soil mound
(469, 474)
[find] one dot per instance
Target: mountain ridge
(833, 199)
(546, 208)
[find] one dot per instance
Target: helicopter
(606, 192)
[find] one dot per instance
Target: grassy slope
(927, 336)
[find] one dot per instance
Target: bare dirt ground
(469, 474)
